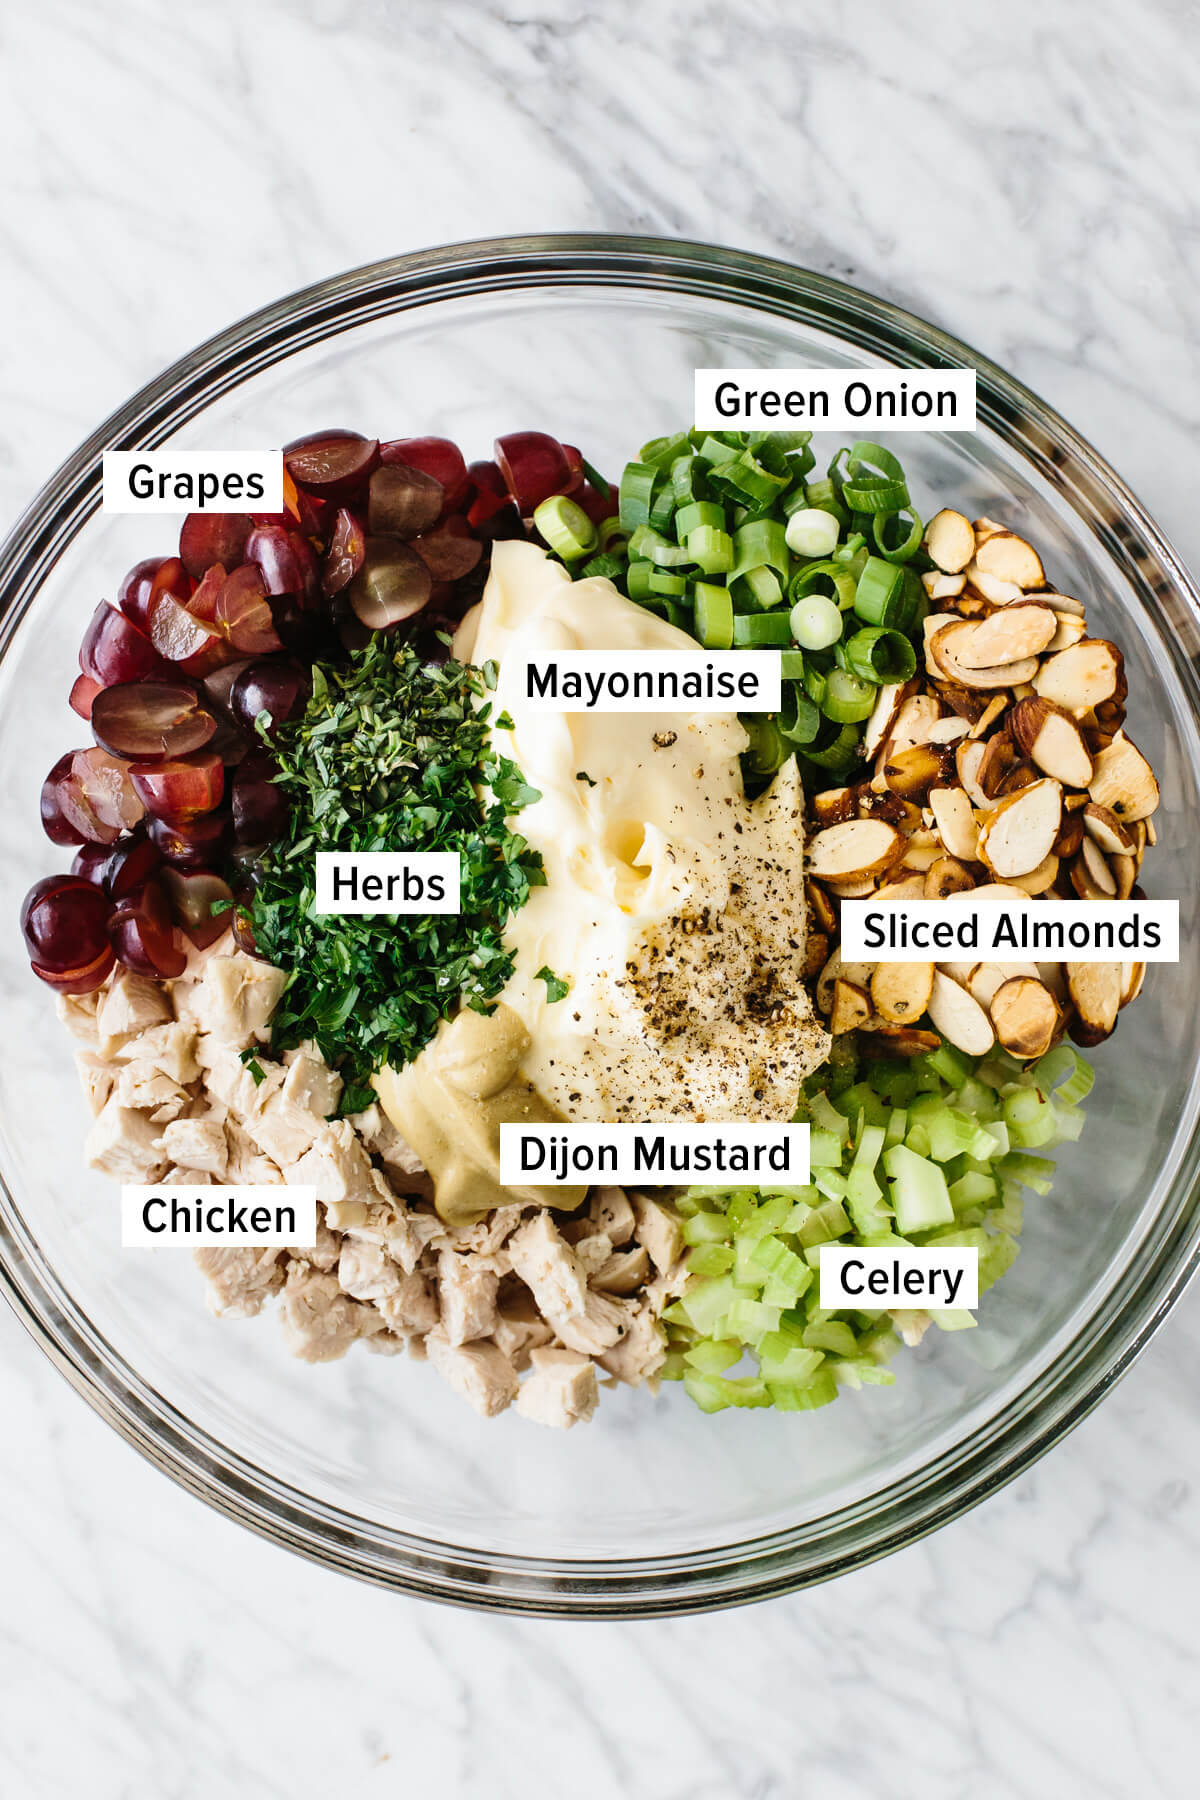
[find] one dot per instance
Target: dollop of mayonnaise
(673, 906)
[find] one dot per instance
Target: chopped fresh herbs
(391, 754)
(556, 987)
(250, 1060)
(582, 775)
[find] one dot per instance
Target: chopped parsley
(556, 987)
(391, 754)
(249, 1059)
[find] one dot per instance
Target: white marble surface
(1025, 175)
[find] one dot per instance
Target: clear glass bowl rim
(1106, 1344)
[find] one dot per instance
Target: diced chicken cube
(239, 1280)
(562, 1390)
(227, 1078)
(78, 1014)
(337, 1166)
(283, 1132)
(123, 1144)
(467, 1292)
(548, 1267)
(601, 1324)
(97, 1078)
(248, 1167)
(170, 1047)
(381, 1136)
(412, 1309)
(520, 1328)
(480, 1372)
(143, 1086)
(366, 1270)
(624, 1272)
(611, 1212)
(320, 1322)
(592, 1252)
(197, 1144)
(310, 1084)
(131, 1003)
(325, 1253)
(660, 1229)
(235, 997)
(487, 1234)
(641, 1352)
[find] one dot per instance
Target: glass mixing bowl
(370, 1465)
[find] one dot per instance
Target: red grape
(208, 538)
(450, 552)
(55, 823)
(141, 932)
(90, 862)
(64, 920)
(575, 464)
(492, 513)
(596, 505)
(133, 595)
(487, 479)
(403, 501)
(83, 693)
(148, 720)
(115, 649)
(88, 798)
(191, 644)
(181, 788)
(277, 686)
(392, 584)
(344, 558)
(196, 845)
(534, 467)
(192, 898)
(79, 981)
(129, 863)
(434, 456)
(243, 925)
(284, 559)
(260, 812)
(203, 603)
(306, 634)
(244, 612)
(333, 463)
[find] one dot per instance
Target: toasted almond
(958, 1017)
(890, 699)
(967, 760)
(952, 810)
(1025, 1016)
(1041, 879)
(1010, 558)
(970, 605)
(911, 773)
(833, 806)
(851, 1008)
(987, 718)
(987, 978)
(958, 971)
(858, 887)
(999, 890)
(1070, 835)
(1050, 738)
(898, 1040)
(949, 541)
(816, 954)
(900, 991)
(993, 587)
(903, 886)
(933, 623)
(1083, 677)
(835, 970)
(1070, 630)
(942, 652)
(1053, 976)
(1132, 976)
(1011, 635)
(823, 911)
(1022, 775)
(947, 731)
(1091, 876)
(942, 587)
(921, 856)
(1151, 834)
(874, 804)
(853, 849)
(1096, 990)
(912, 726)
(947, 876)
(965, 702)
(1000, 757)
(1018, 835)
(1124, 870)
(1124, 781)
(1063, 603)
(985, 528)
(1110, 716)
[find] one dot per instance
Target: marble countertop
(1025, 176)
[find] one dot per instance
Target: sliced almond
(1123, 780)
(933, 623)
(969, 604)
(858, 887)
(987, 718)
(1132, 976)
(835, 970)
(911, 773)
(1053, 976)
(1011, 635)
(949, 540)
(958, 1017)
(1098, 878)
(1000, 757)
(1063, 603)
(942, 587)
(851, 1008)
(967, 760)
(948, 731)
(986, 978)
(912, 725)
(921, 856)
(856, 848)
(1110, 716)
(897, 1041)
(1049, 736)
(1124, 870)
(903, 886)
(947, 876)
(1041, 879)
(993, 587)
(965, 702)
(1019, 834)
(890, 699)
(957, 971)
(1096, 990)
(985, 528)
(942, 652)
(1151, 834)
(1070, 835)
(821, 906)
(1084, 677)
(1070, 630)
(875, 804)
(1022, 776)
(955, 819)
(900, 991)
(1010, 558)
(833, 806)
(1025, 1016)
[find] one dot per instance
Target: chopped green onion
(636, 492)
(879, 655)
(711, 548)
(714, 616)
(816, 622)
(565, 527)
(848, 698)
(812, 532)
(879, 593)
(761, 631)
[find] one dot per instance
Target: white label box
(905, 1276)
(649, 681)
(1010, 930)
(173, 481)
(218, 1217)
(653, 1155)
(864, 401)
(387, 881)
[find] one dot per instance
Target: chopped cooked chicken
(320, 1322)
(170, 1047)
(336, 1165)
(548, 1267)
(97, 1078)
(197, 1144)
(124, 1145)
(480, 1372)
(642, 1351)
(78, 1014)
(602, 1323)
(413, 1309)
(468, 1297)
(283, 1132)
(520, 1327)
(624, 1272)
(234, 998)
(310, 1084)
(562, 1390)
(145, 1088)
(131, 1004)
(660, 1229)
(611, 1212)
(239, 1280)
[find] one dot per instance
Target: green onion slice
(565, 527)
(879, 655)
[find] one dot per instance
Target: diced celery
(952, 1318)
(834, 1336)
(708, 1391)
(706, 1228)
(713, 1356)
(920, 1197)
(705, 1302)
(710, 1259)
(747, 1319)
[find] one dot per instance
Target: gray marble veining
(1025, 176)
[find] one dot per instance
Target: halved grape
(189, 644)
(534, 467)
(198, 844)
(438, 457)
(208, 538)
(90, 862)
(260, 811)
(334, 464)
(115, 649)
(284, 559)
(133, 595)
(182, 788)
(403, 501)
(55, 823)
(83, 693)
(203, 603)
(244, 612)
(146, 721)
(130, 862)
(492, 512)
(450, 552)
(88, 798)
(596, 505)
(276, 686)
(392, 584)
(142, 934)
(64, 921)
(192, 898)
(79, 981)
(344, 558)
